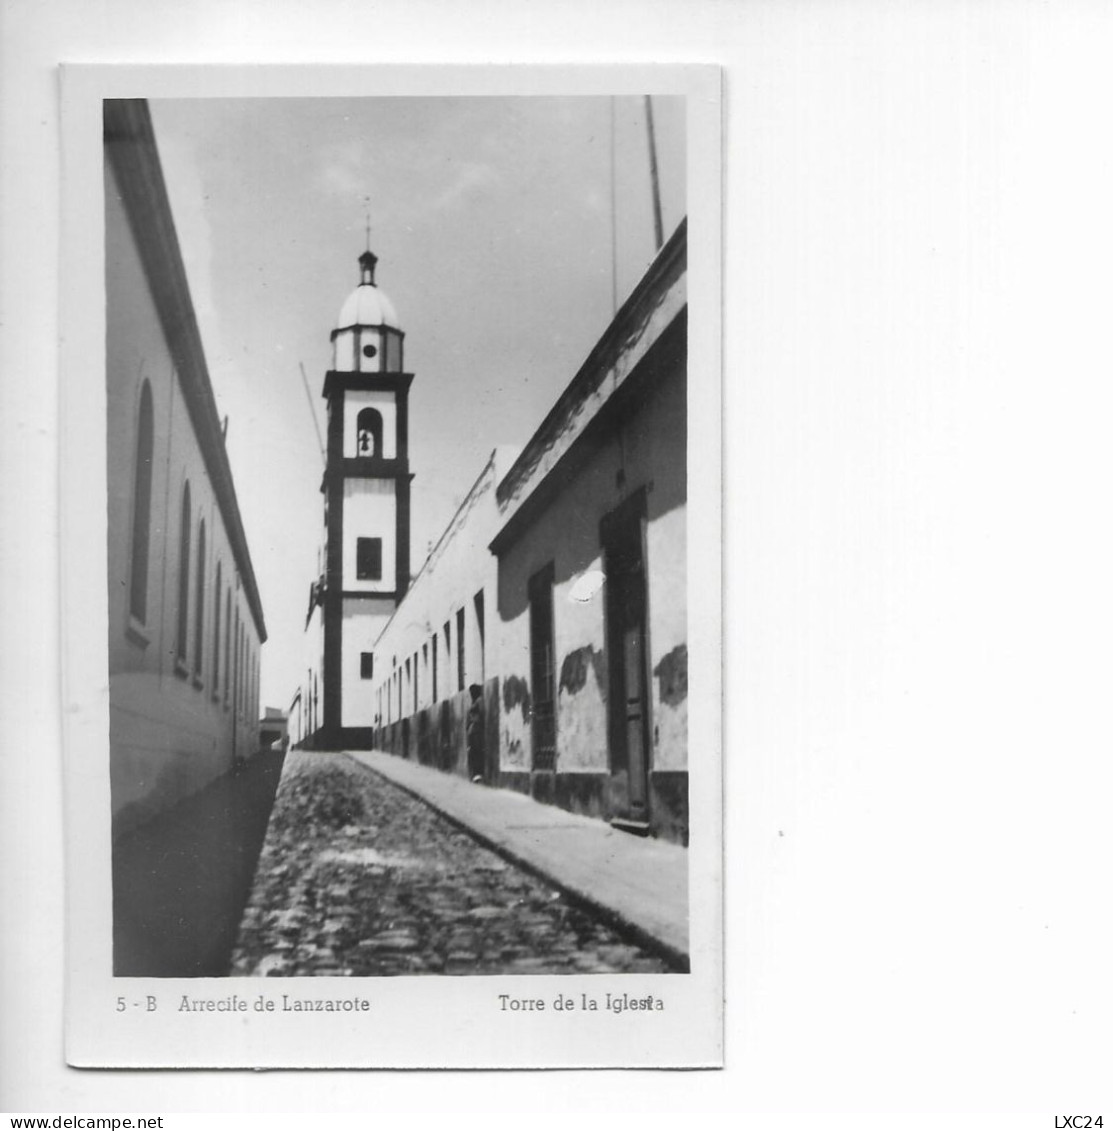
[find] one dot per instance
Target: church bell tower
(367, 502)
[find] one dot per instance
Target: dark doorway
(623, 537)
(542, 669)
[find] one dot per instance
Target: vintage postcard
(391, 466)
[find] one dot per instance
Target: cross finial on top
(368, 259)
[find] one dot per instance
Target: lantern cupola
(368, 336)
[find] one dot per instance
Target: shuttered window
(369, 559)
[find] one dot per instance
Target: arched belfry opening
(369, 433)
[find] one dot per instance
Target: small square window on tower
(367, 665)
(369, 559)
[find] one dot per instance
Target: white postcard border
(432, 1022)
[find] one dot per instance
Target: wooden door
(623, 535)
(542, 669)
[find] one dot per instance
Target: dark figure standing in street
(474, 731)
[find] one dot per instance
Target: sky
(491, 218)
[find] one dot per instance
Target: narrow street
(358, 877)
(180, 881)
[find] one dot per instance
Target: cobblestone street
(357, 877)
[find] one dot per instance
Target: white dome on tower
(368, 304)
(367, 338)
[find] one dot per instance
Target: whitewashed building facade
(557, 596)
(186, 621)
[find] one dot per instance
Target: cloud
(470, 176)
(341, 180)
(344, 171)
(352, 170)
(593, 200)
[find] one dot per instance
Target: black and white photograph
(397, 469)
(555, 564)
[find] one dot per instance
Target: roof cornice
(130, 146)
(669, 265)
(647, 337)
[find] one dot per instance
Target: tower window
(369, 433)
(367, 665)
(369, 559)
(369, 351)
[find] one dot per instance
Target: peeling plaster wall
(618, 431)
(581, 702)
(582, 712)
(578, 627)
(655, 453)
(668, 634)
(650, 449)
(459, 567)
(514, 740)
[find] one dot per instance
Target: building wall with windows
(578, 547)
(442, 641)
(305, 708)
(186, 622)
(592, 576)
